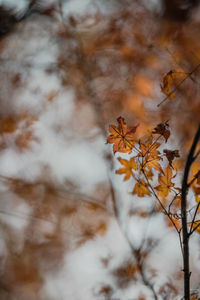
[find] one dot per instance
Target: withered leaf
(162, 129)
(168, 81)
(171, 154)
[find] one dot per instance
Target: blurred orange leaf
(168, 81)
(8, 125)
(141, 189)
(165, 183)
(128, 166)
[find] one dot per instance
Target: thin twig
(193, 219)
(194, 178)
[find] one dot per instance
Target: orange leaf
(141, 189)
(176, 221)
(149, 148)
(154, 164)
(149, 174)
(128, 166)
(121, 137)
(149, 151)
(165, 185)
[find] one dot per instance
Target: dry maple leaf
(168, 81)
(121, 137)
(171, 154)
(141, 189)
(162, 129)
(129, 165)
(165, 183)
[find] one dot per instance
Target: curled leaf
(171, 154)
(167, 83)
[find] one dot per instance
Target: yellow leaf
(141, 189)
(129, 165)
(165, 184)
(149, 174)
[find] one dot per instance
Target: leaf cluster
(151, 169)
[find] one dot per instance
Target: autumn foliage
(84, 70)
(153, 174)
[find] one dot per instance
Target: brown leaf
(171, 154)
(163, 130)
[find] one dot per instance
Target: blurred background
(69, 227)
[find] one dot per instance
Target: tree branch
(185, 234)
